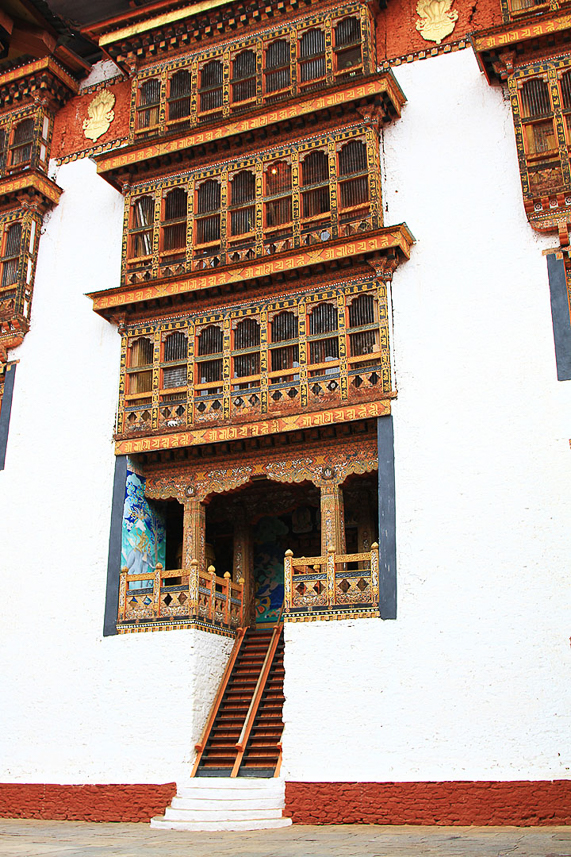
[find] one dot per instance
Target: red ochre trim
(85, 803)
(523, 802)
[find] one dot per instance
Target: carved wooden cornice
(30, 189)
(42, 80)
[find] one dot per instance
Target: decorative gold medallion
(101, 115)
(438, 20)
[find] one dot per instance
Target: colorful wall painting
(270, 544)
(144, 534)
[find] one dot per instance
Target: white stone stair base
(223, 803)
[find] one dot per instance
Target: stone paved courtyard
(23, 838)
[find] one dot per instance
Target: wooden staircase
(242, 737)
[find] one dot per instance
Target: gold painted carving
(101, 115)
(438, 19)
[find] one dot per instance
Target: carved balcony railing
(331, 585)
(179, 597)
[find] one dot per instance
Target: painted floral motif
(438, 19)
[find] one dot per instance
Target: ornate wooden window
(278, 204)
(11, 248)
(211, 88)
(327, 346)
(277, 67)
(348, 48)
(208, 213)
(3, 148)
(537, 117)
(522, 6)
(323, 339)
(175, 207)
(353, 172)
(242, 209)
(179, 100)
(565, 85)
(244, 77)
(315, 183)
(149, 104)
(312, 56)
(22, 143)
(141, 232)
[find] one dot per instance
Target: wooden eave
(380, 91)
(389, 243)
(43, 76)
(32, 185)
(517, 37)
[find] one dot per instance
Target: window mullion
(302, 336)
(157, 338)
(295, 198)
(190, 372)
(329, 75)
(293, 76)
(260, 208)
(223, 214)
(226, 82)
(226, 367)
(333, 196)
(189, 222)
(342, 336)
(163, 103)
(157, 229)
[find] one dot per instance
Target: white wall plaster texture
(472, 680)
(101, 71)
(76, 707)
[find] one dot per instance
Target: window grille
(208, 199)
(141, 352)
(243, 188)
(142, 226)
(278, 178)
(284, 326)
(211, 92)
(323, 319)
(347, 32)
(174, 377)
(247, 334)
(535, 99)
(277, 66)
(522, 5)
(12, 244)
(179, 101)
(278, 212)
(244, 76)
(210, 371)
(175, 347)
(352, 158)
(315, 168)
(362, 311)
(316, 202)
(566, 90)
(22, 140)
(355, 192)
(140, 382)
(363, 343)
(312, 55)
(246, 364)
(284, 358)
(210, 340)
(322, 349)
(149, 101)
(174, 234)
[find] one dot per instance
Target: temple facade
(279, 286)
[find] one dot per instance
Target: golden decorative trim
(101, 115)
(35, 181)
(449, 47)
(93, 150)
(46, 63)
(438, 19)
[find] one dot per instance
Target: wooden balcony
(181, 598)
(335, 586)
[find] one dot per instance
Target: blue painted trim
(115, 537)
(387, 519)
(560, 316)
(6, 410)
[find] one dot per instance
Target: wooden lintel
(506, 35)
(397, 238)
(31, 181)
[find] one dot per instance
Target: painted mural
(144, 535)
(270, 543)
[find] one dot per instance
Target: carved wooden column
(243, 561)
(332, 518)
(193, 550)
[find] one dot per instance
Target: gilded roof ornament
(101, 115)
(438, 19)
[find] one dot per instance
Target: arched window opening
(277, 66)
(210, 340)
(362, 311)
(535, 99)
(247, 334)
(278, 181)
(536, 105)
(11, 254)
(142, 218)
(284, 326)
(149, 102)
(179, 96)
(208, 200)
(362, 315)
(210, 90)
(141, 352)
(348, 46)
(315, 170)
(323, 319)
(244, 76)
(312, 55)
(22, 141)
(352, 158)
(175, 208)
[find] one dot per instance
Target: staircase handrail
(218, 699)
(257, 695)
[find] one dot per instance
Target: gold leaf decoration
(101, 115)
(438, 19)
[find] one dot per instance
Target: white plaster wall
(75, 707)
(472, 681)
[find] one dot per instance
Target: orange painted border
(294, 422)
(508, 35)
(383, 239)
(46, 63)
(36, 181)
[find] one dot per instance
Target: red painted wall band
(482, 803)
(85, 803)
